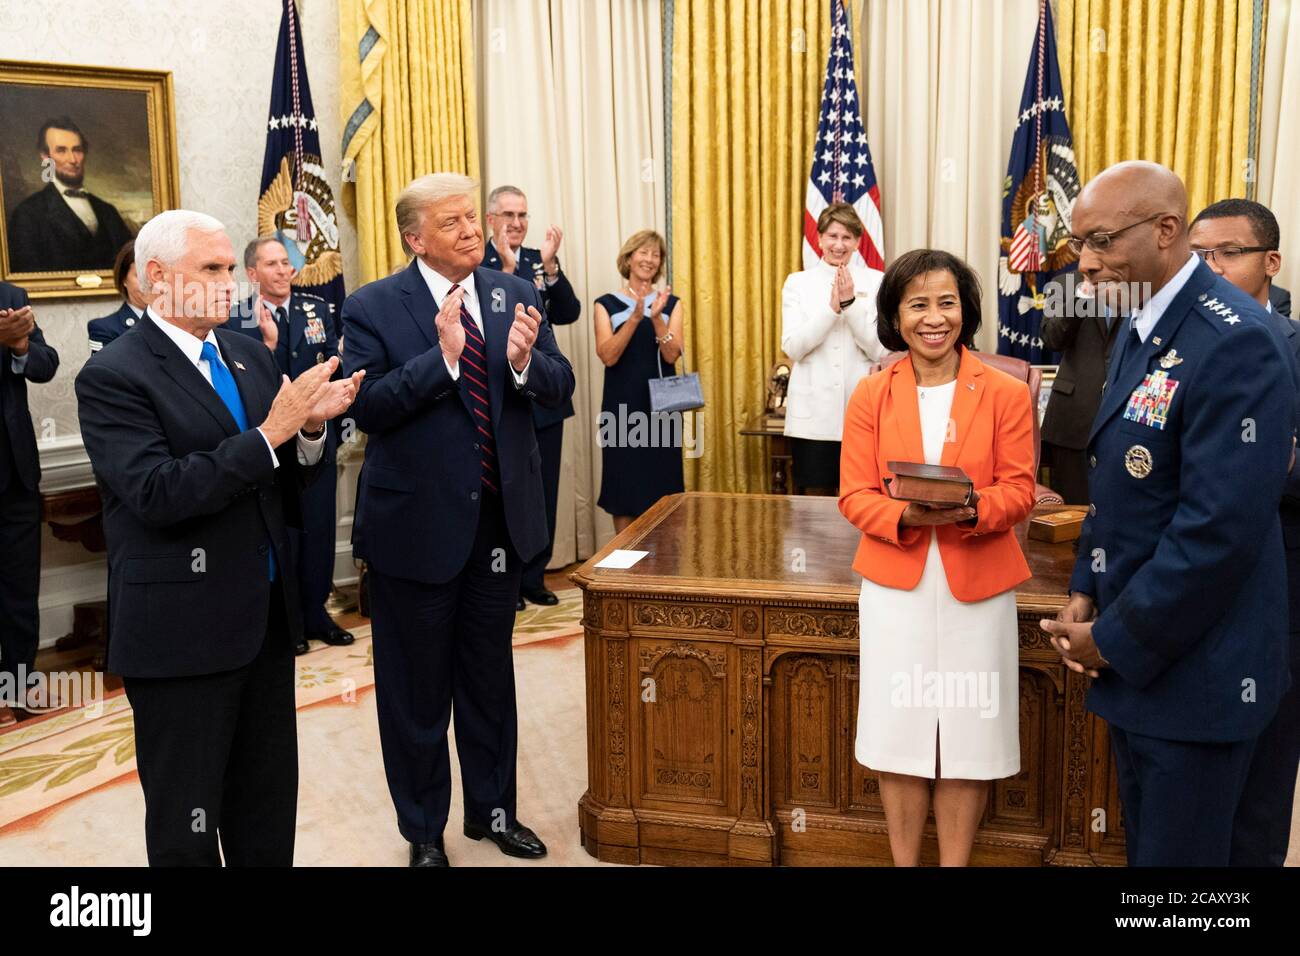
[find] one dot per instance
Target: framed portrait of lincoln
(87, 156)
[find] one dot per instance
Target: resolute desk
(721, 680)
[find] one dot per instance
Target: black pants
(550, 442)
(20, 577)
(1069, 467)
(218, 759)
(439, 646)
(1261, 832)
(1179, 797)
(315, 551)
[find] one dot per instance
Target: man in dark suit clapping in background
(200, 448)
(449, 506)
(24, 357)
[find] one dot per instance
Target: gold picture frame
(111, 110)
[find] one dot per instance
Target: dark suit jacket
(102, 331)
(1182, 548)
(1281, 300)
(562, 308)
(15, 418)
(45, 235)
(418, 497)
(191, 505)
(1084, 344)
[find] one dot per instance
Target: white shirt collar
(191, 347)
(1145, 318)
(439, 285)
(273, 306)
(1268, 305)
(139, 313)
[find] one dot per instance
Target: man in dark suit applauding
(1175, 602)
(507, 215)
(24, 357)
(200, 447)
(449, 505)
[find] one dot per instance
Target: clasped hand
(1071, 635)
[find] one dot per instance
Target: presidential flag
(841, 162)
(297, 204)
(1037, 200)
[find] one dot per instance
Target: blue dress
(638, 466)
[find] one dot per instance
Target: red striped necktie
(473, 370)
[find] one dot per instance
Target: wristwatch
(847, 302)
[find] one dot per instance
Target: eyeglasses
(512, 216)
(1227, 254)
(1100, 241)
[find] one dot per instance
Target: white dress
(930, 661)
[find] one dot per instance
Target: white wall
(221, 56)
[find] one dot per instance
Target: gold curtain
(1162, 80)
(408, 108)
(746, 86)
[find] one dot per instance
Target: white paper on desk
(619, 558)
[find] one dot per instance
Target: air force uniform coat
(1183, 548)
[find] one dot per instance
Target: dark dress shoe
(519, 605)
(428, 854)
(302, 647)
(335, 636)
(517, 841)
(540, 596)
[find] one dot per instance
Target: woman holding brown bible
(939, 674)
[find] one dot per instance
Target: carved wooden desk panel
(721, 678)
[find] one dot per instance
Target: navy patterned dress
(636, 473)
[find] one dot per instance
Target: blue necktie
(228, 392)
(1132, 353)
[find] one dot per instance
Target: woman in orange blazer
(939, 672)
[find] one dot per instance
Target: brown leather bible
(940, 486)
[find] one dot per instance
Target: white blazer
(831, 352)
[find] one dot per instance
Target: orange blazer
(991, 437)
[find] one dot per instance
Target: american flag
(841, 166)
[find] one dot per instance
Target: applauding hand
(842, 289)
(508, 260)
(523, 333)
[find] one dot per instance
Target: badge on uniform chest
(1149, 403)
(315, 331)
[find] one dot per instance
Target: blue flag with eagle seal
(296, 203)
(1037, 201)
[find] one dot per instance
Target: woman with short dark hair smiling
(939, 672)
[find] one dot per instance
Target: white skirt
(932, 663)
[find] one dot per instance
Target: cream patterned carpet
(69, 794)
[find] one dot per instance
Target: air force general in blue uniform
(1182, 552)
(308, 336)
(561, 308)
